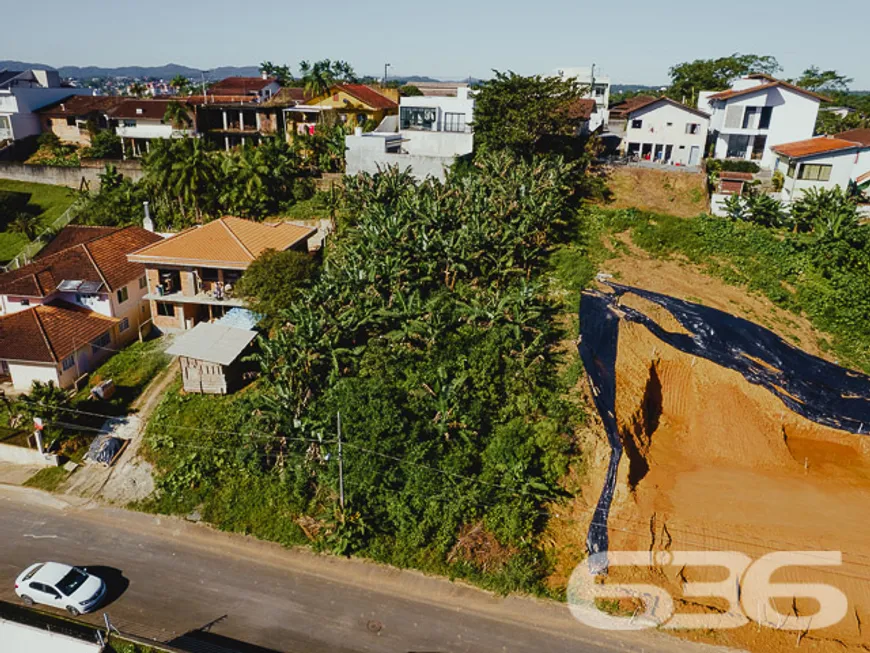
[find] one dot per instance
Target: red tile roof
(728, 186)
(622, 109)
(288, 96)
(739, 176)
(102, 260)
(80, 105)
(581, 109)
(73, 235)
(858, 135)
(240, 86)
(813, 146)
(369, 96)
(50, 333)
(146, 109)
(772, 83)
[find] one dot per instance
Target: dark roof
(580, 109)
(287, 97)
(731, 186)
(80, 105)
(102, 260)
(858, 135)
(622, 109)
(51, 332)
(772, 82)
(664, 98)
(369, 96)
(148, 109)
(6, 75)
(73, 235)
(240, 86)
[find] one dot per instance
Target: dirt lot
(683, 194)
(715, 463)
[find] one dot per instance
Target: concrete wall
(367, 154)
(11, 453)
(665, 124)
(69, 177)
(24, 374)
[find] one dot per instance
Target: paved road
(168, 577)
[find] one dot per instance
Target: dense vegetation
(820, 272)
(430, 331)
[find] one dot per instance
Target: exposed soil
(683, 194)
(712, 462)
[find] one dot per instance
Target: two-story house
(427, 135)
(139, 121)
(78, 301)
(824, 162)
(664, 131)
(75, 119)
(358, 103)
(22, 93)
(757, 113)
(191, 276)
(596, 86)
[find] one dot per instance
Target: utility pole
(340, 463)
(386, 65)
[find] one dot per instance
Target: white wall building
(756, 114)
(823, 162)
(428, 134)
(22, 93)
(665, 131)
(139, 121)
(597, 88)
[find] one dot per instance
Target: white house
(139, 121)
(24, 92)
(427, 135)
(757, 113)
(597, 88)
(665, 131)
(823, 162)
(79, 299)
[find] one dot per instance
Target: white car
(60, 586)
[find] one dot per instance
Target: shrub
(732, 165)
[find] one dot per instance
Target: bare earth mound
(683, 194)
(714, 462)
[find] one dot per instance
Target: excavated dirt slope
(713, 462)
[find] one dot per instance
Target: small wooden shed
(210, 356)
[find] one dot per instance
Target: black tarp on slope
(816, 389)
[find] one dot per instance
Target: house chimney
(147, 223)
(264, 75)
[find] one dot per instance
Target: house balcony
(205, 297)
(152, 131)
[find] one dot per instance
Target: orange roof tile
(226, 242)
(368, 95)
(813, 146)
(730, 186)
(49, 333)
(858, 135)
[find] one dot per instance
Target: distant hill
(163, 72)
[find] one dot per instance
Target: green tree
(515, 113)
(815, 79)
(136, 89)
(409, 90)
(185, 172)
(105, 144)
(279, 72)
(177, 115)
(181, 84)
(827, 212)
(274, 281)
(319, 77)
(26, 224)
(45, 400)
(690, 78)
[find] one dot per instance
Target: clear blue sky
(634, 41)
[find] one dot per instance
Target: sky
(633, 41)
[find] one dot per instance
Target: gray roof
(214, 343)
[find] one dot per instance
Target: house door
(694, 155)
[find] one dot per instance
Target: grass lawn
(47, 479)
(46, 201)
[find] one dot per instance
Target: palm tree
(26, 224)
(193, 174)
(317, 79)
(136, 89)
(181, 84)
(177, 115)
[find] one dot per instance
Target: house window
(125, 324)
(454, 122)
(637, 124)
(129, 123)
(143, 281)
(693, 128)
(599, 91)
(70, 122)
(25, 302)
(419, 118)
(764, 121)
(165, 309)
(69, 361)
(815, 172)
(4, 123)
(101, 343)
(123, 295)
